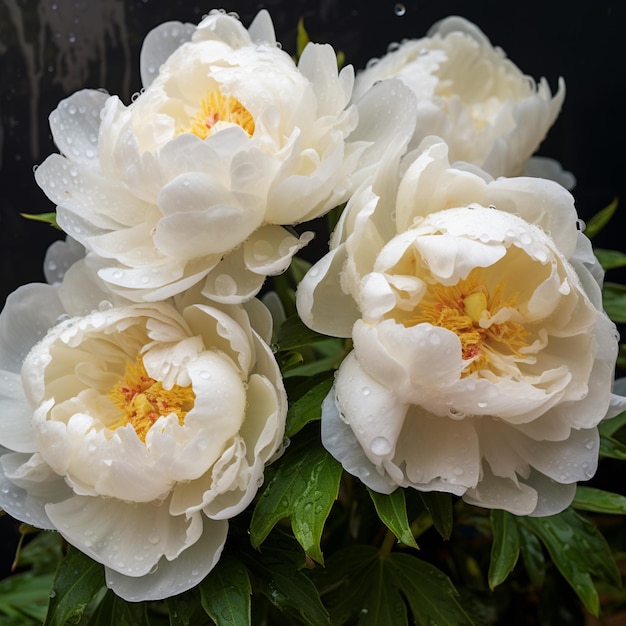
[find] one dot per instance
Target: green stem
(388, 543)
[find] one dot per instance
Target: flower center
(484, 320)
(143, 400)
(219, 108)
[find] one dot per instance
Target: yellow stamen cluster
(219, 108)
(465, 309)
(142, 400)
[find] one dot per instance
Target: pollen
(142, 400)
(469, 310)
(216, 108)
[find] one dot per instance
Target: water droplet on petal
(399, 9)
(225, 285)
(380, 446)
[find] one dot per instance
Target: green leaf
(614, 301)
(430, 594)
(439, 506)
(277, 577)
(294, 334)
(78, 580)
(181, 609)
(612, 449)
(47, 218)
(225, 593)
(303, 489)
(611, 426)
(308, 407)
(302, 38)
(505, 547)
(532, 556)
(579, 552)
(600, 219)
(360, 583)
(26, 594)
(114, 610)
(610, 259)
(599, 501)
(391, 509)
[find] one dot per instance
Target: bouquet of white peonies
(221, 431)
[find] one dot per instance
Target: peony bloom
(135, 430)
(482, 359)
(470, 94)
(228, 141)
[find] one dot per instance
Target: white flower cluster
(139, 398)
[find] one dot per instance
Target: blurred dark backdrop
(51, 48)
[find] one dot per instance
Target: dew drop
(225, 285)
(380, 446)
(399, 9)
(262, 250)
(366, 391)
(589, 444)
(105, 305)
(434, 339)
(154, 539)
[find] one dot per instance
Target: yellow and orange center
(142, 400)
(219, 108)
(466, 309)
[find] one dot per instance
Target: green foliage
(383, 589)
(303, 489)
(392, 512)
(600, 219)
(225, 593)
(614, 301)
(77, 582)
(46, 218)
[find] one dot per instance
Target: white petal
(127, 537)
(174, 577)
(159, 44)
(339, 439)
(16, 415)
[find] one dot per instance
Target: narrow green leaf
(302, 38)
(439, 506)
(505, 547)
(579, 552)
(600, 219)
(610, 259)
(614, 301)
(612, 449)
(303, 489)
(225, 593)
(308, 407)
(47, 218)
(391, 509)
(114, 610)
(278, 578)
(78, 580)
(599, 501)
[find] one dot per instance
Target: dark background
(51, 48)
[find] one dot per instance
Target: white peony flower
(228, 141)
(470, 94)
(482, 360)
(136, 431)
